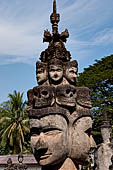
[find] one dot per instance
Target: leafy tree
(14, 125)
(99, 78)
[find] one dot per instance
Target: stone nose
(41, 142)
(71, 94)
(55, 75)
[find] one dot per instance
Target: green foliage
(14, 125)
(99, 79)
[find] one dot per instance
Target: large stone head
(80, 140)
(55, 71)
(49, 139)
(41, 72)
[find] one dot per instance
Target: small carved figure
(47, 36)
(41, 72)
(64, 35)
(55, 71)
(10, 165)
(71, 69)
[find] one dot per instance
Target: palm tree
(14, 125)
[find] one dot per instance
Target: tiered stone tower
(59, 112)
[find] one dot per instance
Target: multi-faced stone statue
(41, 72)
(59, 112)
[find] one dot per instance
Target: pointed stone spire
(54, 6)
(55, 18)
(56, 48)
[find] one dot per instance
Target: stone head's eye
(74, 91)
(39, 72)
(68, 91)
(59, 70)
(72, 71)
(45, 93)
(34, 132)
(52, 70)
(88, 132)
(51, 132)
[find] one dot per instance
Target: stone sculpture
(111, 166)
(59, 112)
(104, 151)
(10, 165)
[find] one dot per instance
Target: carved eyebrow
(48, 128)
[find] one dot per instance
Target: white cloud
(104, 37)
(22, 24)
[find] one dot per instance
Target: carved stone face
(41, 73)
(81, 140)
(43, 96)
(71, 74)
(106, 134)
(49, 139)
(71, 71)
(66, 95)
(55, 73)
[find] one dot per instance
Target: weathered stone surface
(43, 96)
(59, 112)
(66, 96)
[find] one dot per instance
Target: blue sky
(22, 23)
